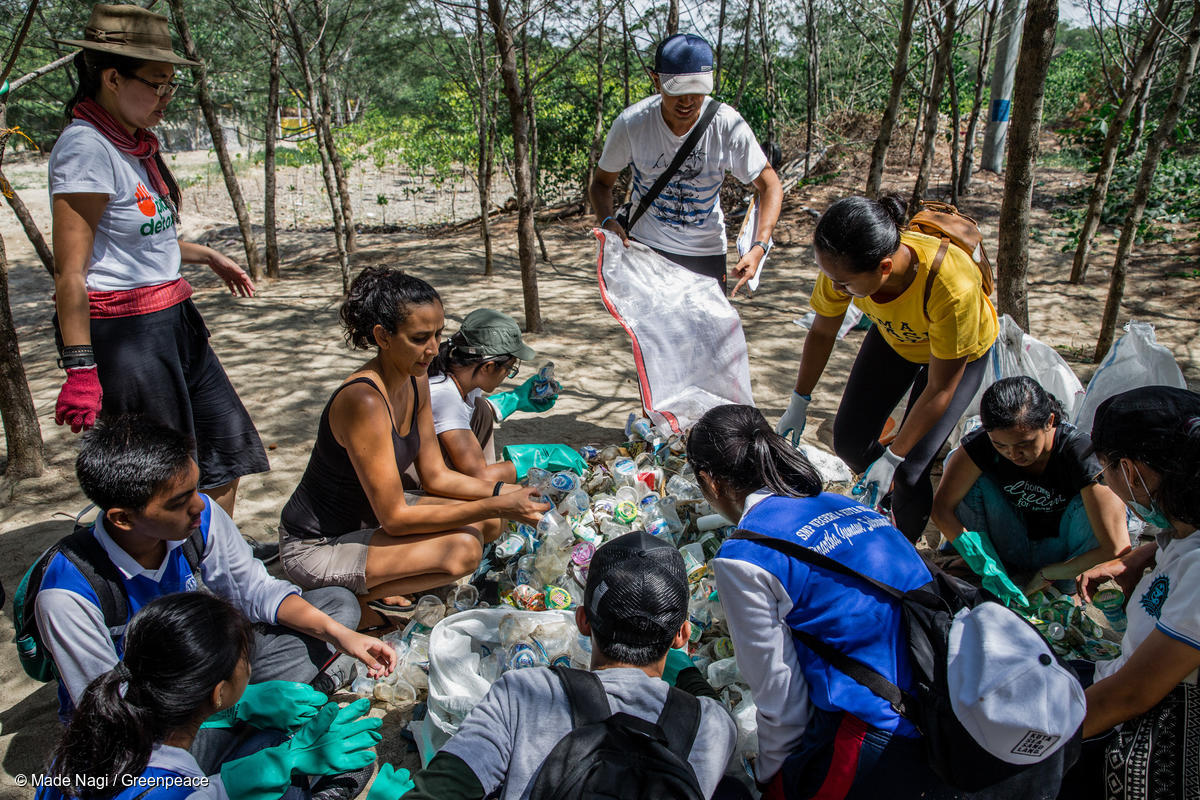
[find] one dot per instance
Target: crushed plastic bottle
(544, 386)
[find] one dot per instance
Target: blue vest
(847, 614)
(177, 577)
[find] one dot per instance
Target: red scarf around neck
(142, 144)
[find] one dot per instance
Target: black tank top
(330, 499)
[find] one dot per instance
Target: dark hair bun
(860, 231)
(381, 296)
(896, 208)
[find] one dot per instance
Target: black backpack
(619, 756)
(927, 613)
(82, 549)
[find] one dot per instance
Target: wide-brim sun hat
(130, 31)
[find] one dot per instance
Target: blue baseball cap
(684, 64)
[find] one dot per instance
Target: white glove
(791, 424)
(877, 480)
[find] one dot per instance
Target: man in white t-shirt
(684, 223)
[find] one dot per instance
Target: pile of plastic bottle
(1071, 632)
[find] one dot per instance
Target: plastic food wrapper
(688, 343)
(1136, 359)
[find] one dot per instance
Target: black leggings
(878, 379)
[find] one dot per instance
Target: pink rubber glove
(79, 399)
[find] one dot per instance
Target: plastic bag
(688, 343)
(455, 648)
(1134, 360)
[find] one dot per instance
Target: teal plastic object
(521, 399)
(390, 784)
(677, 661)
(551, 457)
(977, 550)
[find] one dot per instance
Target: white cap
(692, 83)
(1007, 688)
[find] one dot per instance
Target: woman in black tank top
(348, 522)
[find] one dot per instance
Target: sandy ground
(284, 352)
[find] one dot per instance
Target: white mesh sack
(688, 344)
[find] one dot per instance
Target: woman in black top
(1029, 482)
(349, 522)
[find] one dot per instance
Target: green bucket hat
(128, 30)
(485, 332)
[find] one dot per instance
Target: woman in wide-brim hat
(130, 338)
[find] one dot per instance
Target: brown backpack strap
(933, 271)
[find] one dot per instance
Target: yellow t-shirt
(961, 322)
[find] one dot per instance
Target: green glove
(677, 661)
(332, 742)
(976, 549)
(390, 784)
(552, 457)
(277, 705)
(519, 399)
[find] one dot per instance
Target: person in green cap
(463, 379)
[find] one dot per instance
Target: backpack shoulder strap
(85, 552)
(934, 268)
(585, 692)
(685, 150)
(814, 558)
(193, 550)
(857, 671)
(680, 721)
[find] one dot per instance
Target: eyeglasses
(160, 89)
(514, 370)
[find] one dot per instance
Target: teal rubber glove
(551, 457)
(677, 661)
(332, 742)
(977, 550)
(276, 705)
(391, 783)
(520, 399)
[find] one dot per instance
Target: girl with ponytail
(187, 658)
(1028, 483)
(806, 708)
(1139, 730)
(932, 329)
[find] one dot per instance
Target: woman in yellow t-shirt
(930, 344)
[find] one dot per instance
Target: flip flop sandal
(391, 612)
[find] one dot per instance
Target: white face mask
(1152, 514)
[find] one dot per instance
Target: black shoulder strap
(813, 557)
(685, 150)
(585, 692)
(193, 551)
(85, 552)
(680, 721)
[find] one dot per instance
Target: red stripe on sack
(843, 766)
(643, 383)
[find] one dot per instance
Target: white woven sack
(1136, 359)
(688, 343)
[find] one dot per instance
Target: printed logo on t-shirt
(683, 202)
(1027, 495)
(161, 212)
(900, 331)
(145, 202)
(1156, 596)
(1034, 744)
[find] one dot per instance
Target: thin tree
(812, 79)
(1163, 136)
(1029, 88)
(967, 168)
(945, 27)
(764, 41)
(274, 21)
(745, 65)
(213, 121)
(720, 43)
(485, 132)
(892, 110)
(325, 108)
(597, 108)
(1112, 140)
(672, 17)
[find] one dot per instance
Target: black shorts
(710, 266)
(160, 364)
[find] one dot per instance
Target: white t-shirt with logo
(1166, 599)
(686, 217)
(136, 243)
(450, 411)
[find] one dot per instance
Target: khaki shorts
(329, 560)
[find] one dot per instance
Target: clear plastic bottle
(723, 673)
(544, 386)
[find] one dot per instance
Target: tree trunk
(1163, 134)
(1137, 121)
(941, 66)
(531, 112)
(764, 41)
(720, 42)
(28, 224)
(892, 109)
(1012, 255)
(967, 169)
(597, 109)
(335, 208)
(672, 17)
(625, 52)
(22, 434)
(1112, 141)
(335, 159)
(955, 123)
(745, 65)
(272, 129)
(209, 109)
(812, 80)
(930, 52)
(526, 238)
(1003, 73)
(484, 164)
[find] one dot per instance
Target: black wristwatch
(766, 247)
